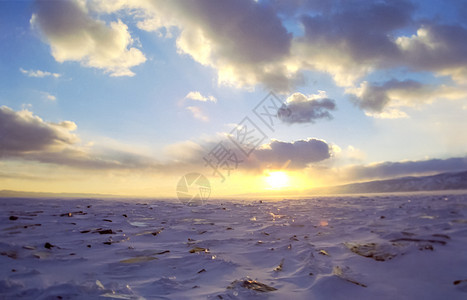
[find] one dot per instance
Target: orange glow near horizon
(154, 185)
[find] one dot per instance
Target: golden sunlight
(277, 180)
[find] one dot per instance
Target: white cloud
(197, 113)
(347, 155)
(74, 36)
(48, 96)
(196, 96)
(39, 73)
(327, 58)
(388, 113)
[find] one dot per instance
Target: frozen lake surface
(349, 247)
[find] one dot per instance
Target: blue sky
(125, 97)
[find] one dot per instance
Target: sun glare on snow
(277, 180)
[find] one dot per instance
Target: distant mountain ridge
(21, 194)
(439, 182)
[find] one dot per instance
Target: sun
(277, 180)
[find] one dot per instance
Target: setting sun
(277, 180)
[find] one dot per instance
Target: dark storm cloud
(300, 109)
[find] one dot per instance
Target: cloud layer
(23, 132)
(386, 99)
(405, 168)
(26, 136)
(249, 43)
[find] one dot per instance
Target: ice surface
(359, 247)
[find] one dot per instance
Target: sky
(125, 97)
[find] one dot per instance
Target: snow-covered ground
(359, 247)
